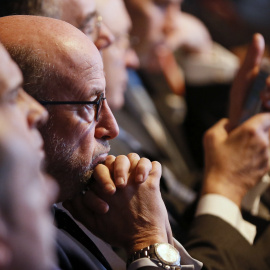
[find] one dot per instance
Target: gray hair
(36, 72)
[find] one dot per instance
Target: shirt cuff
(187, 262)
(222, 207)
(141, 263)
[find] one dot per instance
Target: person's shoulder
(71, 255)
(220, 246)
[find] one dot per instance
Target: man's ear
(5, 251)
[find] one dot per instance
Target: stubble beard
(70, 171)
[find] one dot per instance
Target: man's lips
(99, 159)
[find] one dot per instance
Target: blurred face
(118, 56)
(151, 20)
(74, 141)
(16, 105)
(29, 190)
(32, 193)
(82, 14)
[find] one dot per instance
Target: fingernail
(119, 181)
(140, 178)
(110, 188)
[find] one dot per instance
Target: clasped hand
(124, 205)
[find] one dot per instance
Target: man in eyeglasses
(63, 70)
(80, 13)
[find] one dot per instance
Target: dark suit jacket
(73, 255)
(219, 246)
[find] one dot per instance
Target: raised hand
(244, 79)
(136, 216)
(236, 161)
(114, 174)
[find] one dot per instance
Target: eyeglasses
(122, 41)
(98, 23)
(98, 103)
(91, 26)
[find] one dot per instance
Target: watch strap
(149, 252)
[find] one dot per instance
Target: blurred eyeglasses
(91, 26)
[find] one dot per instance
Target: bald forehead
(39, 31)
(52, 40)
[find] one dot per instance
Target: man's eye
(88, 29)
(87, 112)
(13, 96)
(94, 98)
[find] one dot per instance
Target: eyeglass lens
(99, 106)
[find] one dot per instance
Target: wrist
(142, 242)
(224, 186)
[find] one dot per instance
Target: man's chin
(87, 177)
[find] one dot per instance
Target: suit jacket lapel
(65, 222)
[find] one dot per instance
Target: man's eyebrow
(97, 92)
(88, 18)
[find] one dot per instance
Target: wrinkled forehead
(80, 70)
(82, 57)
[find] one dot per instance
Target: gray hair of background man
(47, 8)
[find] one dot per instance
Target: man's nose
(106, 127)
(131, 59)
(36, 114)
(105, 37)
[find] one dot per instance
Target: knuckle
(251, 131)
(99, 167)
(133, 156)
(121, 157)
(146, 161)
(110, 158)
(208, 137)
(156, 163)
(156, 167)
(264, 144)
(120, 161)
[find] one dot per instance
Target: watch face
(167, 254)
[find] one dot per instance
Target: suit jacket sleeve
(220, 246)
